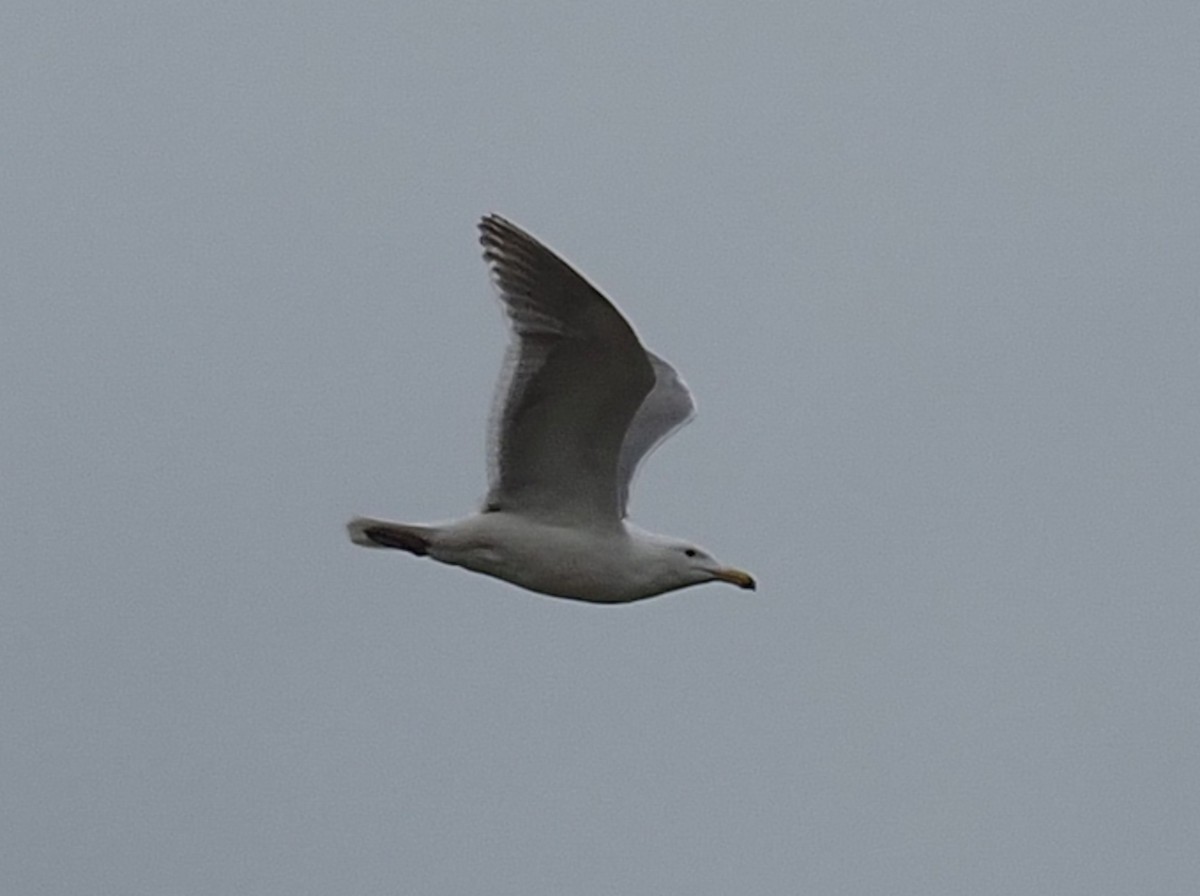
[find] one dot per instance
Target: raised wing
(668, 406)
(574, 377)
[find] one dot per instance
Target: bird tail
(385, 534)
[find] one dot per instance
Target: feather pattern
(579, 402)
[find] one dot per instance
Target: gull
(579, 405)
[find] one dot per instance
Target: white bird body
(603, 566)
(579, 405)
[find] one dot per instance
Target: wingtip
(496, 223)
(493, 229)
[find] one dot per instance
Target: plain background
(931, 270)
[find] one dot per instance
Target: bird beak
(735, 577)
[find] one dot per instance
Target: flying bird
(579, 405)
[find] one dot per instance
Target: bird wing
(574, 377)
(667, 407)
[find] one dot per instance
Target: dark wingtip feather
(511, 253)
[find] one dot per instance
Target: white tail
(372, 533)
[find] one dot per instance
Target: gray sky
(931, 270)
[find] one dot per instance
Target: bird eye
(691, 552)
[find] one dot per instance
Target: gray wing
(574, 377)
(668, 407)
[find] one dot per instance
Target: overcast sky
(932, 272)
